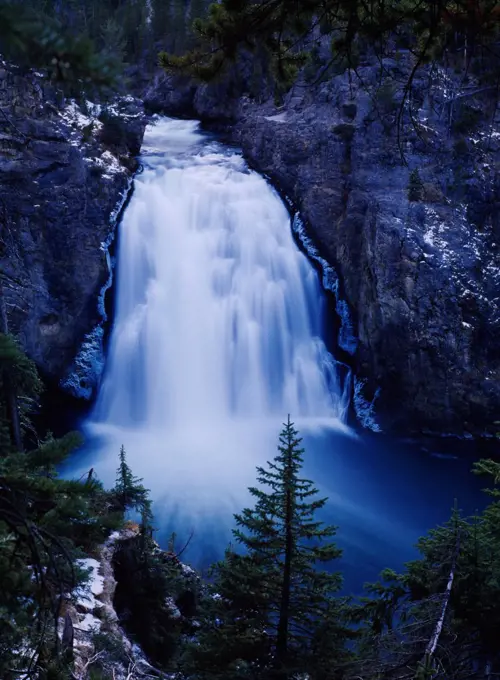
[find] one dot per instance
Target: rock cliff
(409, 221)
(65, 170)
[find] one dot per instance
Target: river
(217, 336)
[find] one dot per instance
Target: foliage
(439, 616)
(345, 131)
(113, 38)
(385, 97)
(46, 523)
(156, 600)
(172, 20)
(87, 45)
(460, 147)
(467, 119)
(34, 39)
(272, 606)
(291, 35)
(129, 491)
(20, 387)
(270, 612)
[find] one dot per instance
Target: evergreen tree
(272, 602)
(19, 388)
(129, 490)
(113, 38)
(161, 20)
(46, 523)
(35, 39)
(287, 33)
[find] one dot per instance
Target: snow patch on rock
(346, 338)
(364, 409)
(278, 118)
(85, 375)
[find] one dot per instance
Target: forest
(273, 607)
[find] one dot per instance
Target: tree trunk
(433, 642)
(68, 636)
(282, 640)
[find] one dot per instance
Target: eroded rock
(421, 279)
(63, 173)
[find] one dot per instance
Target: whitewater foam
(218, 328)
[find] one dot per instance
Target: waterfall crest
(218, 323)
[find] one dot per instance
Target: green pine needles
(286, 32)
(272, 601)
(129, 490)
(46, 524)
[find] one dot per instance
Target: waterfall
(218, 326)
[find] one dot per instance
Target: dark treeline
(280, 37)
(325, 38)
(287, 31)
(95, 41)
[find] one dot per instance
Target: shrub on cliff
(46, 523)
(156, 598)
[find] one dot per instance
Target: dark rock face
(63, 174)
(168, 93)
(158, 595)
(421, 278)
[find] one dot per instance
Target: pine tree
(272, 601)
(161, 20)
(129, 490)
(46, 523)
(440, 616)
(20, 386)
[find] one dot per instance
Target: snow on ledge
(364, 409)
(346, 338)
(277, 118)
(87, 593)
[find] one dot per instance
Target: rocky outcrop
(421, 277)
(89, 623)
(157, 598)
(175, 95)
(65, 170)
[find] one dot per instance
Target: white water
(218, 325)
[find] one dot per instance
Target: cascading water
(217, 334)
(217, 337)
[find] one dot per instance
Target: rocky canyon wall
(418, 255)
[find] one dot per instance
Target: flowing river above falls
(217, 336)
